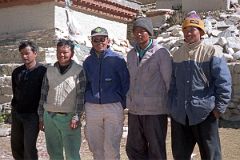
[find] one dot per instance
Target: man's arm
(80, 90)
(125, 80)
(222, 84)
(43, 99)
(166, 67)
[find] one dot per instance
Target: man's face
(191, 34)
(100, 43)
(140, 35)
(64, 55)
(27, 55)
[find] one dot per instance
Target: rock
(124, 43)
(222, 25)
(230, 51)
(5, 132)
(233, 20)
(208, 26)
(177, 33)
(175, 27)
(236, 55)
(231, 115)
(226, 33)
(211, 40)
(117, 48)
(174, 49)
(222, 41)
(236, 69)
(159, 39)
(233, 42)
(215, 32)
(165, 35)
(228, 57)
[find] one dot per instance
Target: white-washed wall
(85, 23)
(26, 18)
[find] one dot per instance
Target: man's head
(193, 27)
(142, 30)
(99, 39)
(65, 51)
(28, 51)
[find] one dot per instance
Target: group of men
(191, 85)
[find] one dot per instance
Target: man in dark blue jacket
(200, 92)
(107, 84)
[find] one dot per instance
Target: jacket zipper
(99, 86)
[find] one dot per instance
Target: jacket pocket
(201, 107)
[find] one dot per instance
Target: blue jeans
(24, 133)
(59, 135)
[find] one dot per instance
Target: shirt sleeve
(166, 67)
(125, 81)
(43, 98)
(80, 89)
(222, 83)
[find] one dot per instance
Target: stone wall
(233, 111)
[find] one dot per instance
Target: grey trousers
(104, 127)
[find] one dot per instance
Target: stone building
(27, 15)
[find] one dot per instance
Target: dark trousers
(24, 133)
(205, 134)
(146, 137)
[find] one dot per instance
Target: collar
(192, 45)
(101, 55)
(140, 51)
(63, 69)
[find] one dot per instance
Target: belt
(56, 114)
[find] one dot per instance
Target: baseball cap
(99, 31)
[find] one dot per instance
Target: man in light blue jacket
(150, 69)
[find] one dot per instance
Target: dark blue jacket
(107, 78)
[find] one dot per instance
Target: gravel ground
(230, 142)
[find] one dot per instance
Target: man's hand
(216, 113)
(74, 124)
(41, 126)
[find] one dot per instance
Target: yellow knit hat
(194, 20)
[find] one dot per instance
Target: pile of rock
(222, 31)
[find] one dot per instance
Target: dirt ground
(230, 141)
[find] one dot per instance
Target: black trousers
(205, 134)
(146, 137)
(24, 133)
